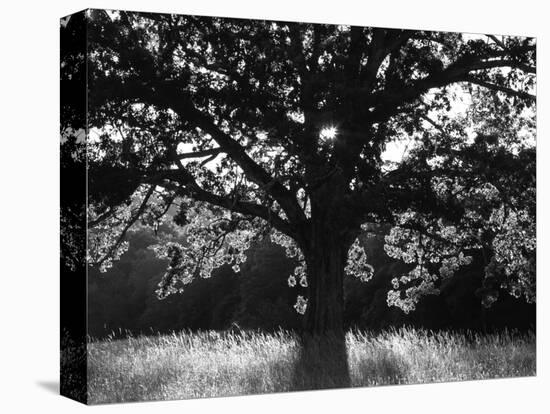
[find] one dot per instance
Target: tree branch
(497, 41)
(509, 91)
(129, 224)
(385, 103)
(200, 154)
(170, 97)
(383, 43)
(100, 218)
(190, 187)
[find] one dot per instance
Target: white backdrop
(29, 177)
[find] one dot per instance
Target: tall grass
(207, 364)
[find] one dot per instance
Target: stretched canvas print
(256, 206)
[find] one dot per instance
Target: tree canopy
(313, 134)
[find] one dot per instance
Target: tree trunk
(325, 268)
(323, 362)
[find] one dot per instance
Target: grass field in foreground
(207, 364)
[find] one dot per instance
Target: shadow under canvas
(50, 386)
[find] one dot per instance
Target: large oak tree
(254, 128)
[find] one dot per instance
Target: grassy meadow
(208, 364)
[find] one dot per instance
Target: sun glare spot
(328, 133)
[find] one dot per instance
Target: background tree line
(259, 297)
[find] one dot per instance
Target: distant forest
(123, 299)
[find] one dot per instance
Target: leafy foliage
(256, 128)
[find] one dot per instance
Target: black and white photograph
(275, 206)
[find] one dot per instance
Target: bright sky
(397, 149)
